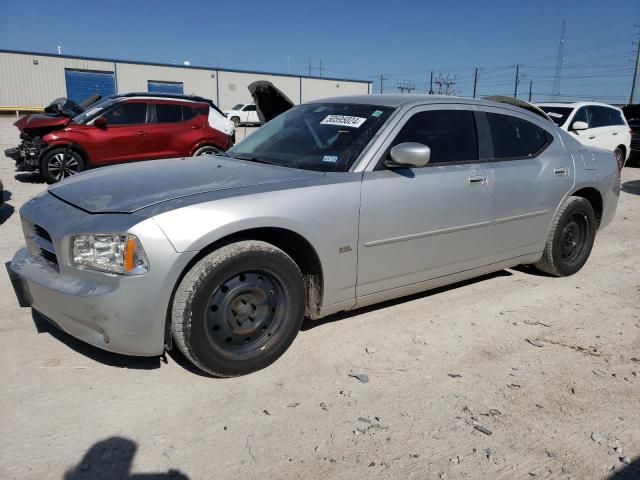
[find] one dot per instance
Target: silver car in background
(331, 206)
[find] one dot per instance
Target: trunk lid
(131, 187)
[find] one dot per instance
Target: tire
(619, 153)
(206, 150)
(571, 238)
(238, 309)
(60, 163)
(236, 121)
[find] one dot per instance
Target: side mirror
(579, 125)
(100, 122)
(408, 154)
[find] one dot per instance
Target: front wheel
(236, 121)
(238, 309)
(571, 238)
(60, 163)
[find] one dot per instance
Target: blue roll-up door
(154, 86)
(84, 83)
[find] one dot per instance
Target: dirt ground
(454, 390)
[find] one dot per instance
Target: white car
(593, 124)
(243, 113)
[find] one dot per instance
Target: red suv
(122, 128)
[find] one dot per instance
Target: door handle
(591, 137)
(141, 133)
(196, 127)
(560, 172)
(614, 133)
(477, 180)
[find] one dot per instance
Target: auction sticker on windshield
(343, 121)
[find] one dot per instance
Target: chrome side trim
(520, 217)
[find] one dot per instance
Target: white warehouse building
(31, 80)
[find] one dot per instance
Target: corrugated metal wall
(34, 80)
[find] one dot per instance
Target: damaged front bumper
(27, 154)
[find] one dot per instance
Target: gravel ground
(438, 364)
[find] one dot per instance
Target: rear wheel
(570, 239)
(206, 150)
(238, 309)
(60, 163)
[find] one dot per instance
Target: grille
(50, 256)
(42, 233)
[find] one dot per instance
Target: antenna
(555, 93)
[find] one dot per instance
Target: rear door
(418, 224)
(532, 172)
(123, 138)
(169, 135)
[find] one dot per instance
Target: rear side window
(127, 114)
(167, 113)
(514, 137)
(188, 113)
(604, 117)
(250, 108)
(450, 134)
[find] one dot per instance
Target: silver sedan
(331, 206)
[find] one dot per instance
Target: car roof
(574, 104)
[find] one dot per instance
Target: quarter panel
(326, 215)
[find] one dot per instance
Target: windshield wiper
(251, 158)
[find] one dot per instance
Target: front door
(418, 224)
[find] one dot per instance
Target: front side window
(127, 114)
(237, 106)
(250, 108)
(514, 137)
(582, 115)
(168, 113)
(326, 137)
(450, 134)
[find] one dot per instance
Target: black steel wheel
(236, 121)
(239, 308)
(60, 163)
(571, 238)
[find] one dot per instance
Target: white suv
(243, 113)
(593, 124)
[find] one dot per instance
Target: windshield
(327, 137)
(559, 115)
(94, 110)
(238, 106)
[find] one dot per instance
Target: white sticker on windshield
(330, 158)
(554, 114)
(343, 121)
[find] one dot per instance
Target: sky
(403, 41)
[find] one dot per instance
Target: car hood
(131, 187)
(41, 123)
(270, 102)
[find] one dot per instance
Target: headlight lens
(111, 253)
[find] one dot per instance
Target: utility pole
(309, 66)
(320, 69)
(382, 79)
(515, 92)
(530, 89)
(431, 84)
(635, 74)
(475, 82)
(557, 77)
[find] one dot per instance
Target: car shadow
(112, 459)
(6, 210)
(632, 187)
(44, 325)
(29, 177)
(308, 324)
(629, 472)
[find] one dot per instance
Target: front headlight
(111, 253)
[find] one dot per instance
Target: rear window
(514, 137)
(168, 113)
